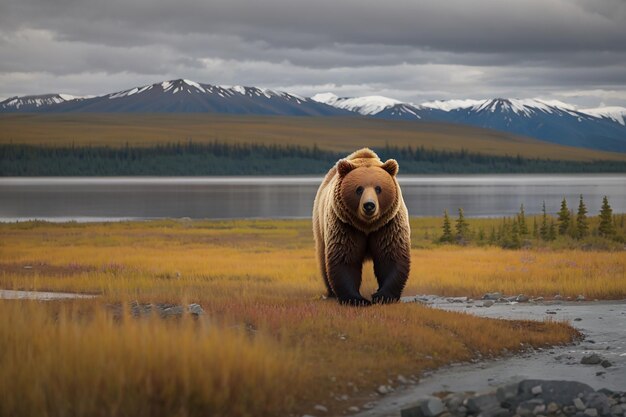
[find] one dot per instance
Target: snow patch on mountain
(367, 105)
(617, 114)
(448, 105)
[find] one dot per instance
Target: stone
(557, 297)
(617, 410)
(507, 393)
(195, 309)
(593, 359)
(552, 408)
(492, 296)
(482, 402)
(606, 363)
(560, 392)
(536, 390)
(320, 408)
(487, 303)
(569, 410)
(597, 401)
(522, 298)
(580, 297)
(426, 407)
(403, 380)
(579, 404)
(353, 409)
(384, 389)
(578, 319)
(494, 412)
(591, 412)
(527, 408)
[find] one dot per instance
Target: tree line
(220, 158)
(516, 232)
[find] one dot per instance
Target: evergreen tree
(535, 228)
(447, 228)
(582, 225)
(516, 241)
(481, 234)
(544, 230)
(564, 218)
(552, 231)
(492, 236)
(521, 219)
(606, 228)
(462, 228)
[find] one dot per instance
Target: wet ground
(602, 322)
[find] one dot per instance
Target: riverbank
(603, 324)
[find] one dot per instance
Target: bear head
(368, 192)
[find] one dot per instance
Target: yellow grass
(268, 345)
(333, 133)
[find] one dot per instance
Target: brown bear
(359, 214)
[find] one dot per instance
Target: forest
(220, 158)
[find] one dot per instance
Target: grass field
(343, 134)
(268, 343)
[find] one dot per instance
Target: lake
(118, 198)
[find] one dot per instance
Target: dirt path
(603, 324)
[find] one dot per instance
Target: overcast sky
(412, 50)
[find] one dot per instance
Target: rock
(487, 303)
(527, 408)
(426, 407)
(580, 297)
(195, 309)
(537, 300)
(492, 296)
(401, 379)
(454, 401)
(597, 401)
(166, 310)
(536, 390)
(320, 408)
(495, 412)
(369, 406)
(578, 319)
(507, 393)
(606, 363)
(552, 408)
(560, 392)
(617, 410)
(569, 410)
(482, 402)
(557, 297)
(353, 409)
(384, 389)
(593, 359)
(591, 412)
(522, 298)
(579, 404)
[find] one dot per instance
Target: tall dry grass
(267, 344)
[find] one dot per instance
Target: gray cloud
(409, 50)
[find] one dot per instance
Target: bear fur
(359, 214)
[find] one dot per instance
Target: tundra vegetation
(267, 344)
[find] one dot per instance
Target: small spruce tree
(564, 218)
(544, 230)
(606, 228)
(447, 228)
(582, 224)
(462, 228)
(552, 231)
(521, 219)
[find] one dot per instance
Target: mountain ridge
(554, 121)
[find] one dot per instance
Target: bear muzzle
(369, 209)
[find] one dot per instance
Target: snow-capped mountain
(33, 103)
(376, 106)
(185, 96)
(549, 120)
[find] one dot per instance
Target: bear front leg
(390, 249)
(392, 277)
(346, 281)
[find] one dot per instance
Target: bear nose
(369, 206)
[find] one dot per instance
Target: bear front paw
(357, 302)
(382, 298)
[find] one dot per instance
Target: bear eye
(359, 190)
(378, 189)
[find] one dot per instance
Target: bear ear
(391, 166)
(344, 167)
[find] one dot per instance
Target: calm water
(87, 199)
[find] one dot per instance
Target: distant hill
(547, 120)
